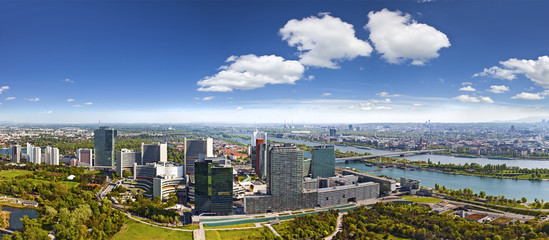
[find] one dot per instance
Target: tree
(523, 199)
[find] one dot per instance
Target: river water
(492, 186)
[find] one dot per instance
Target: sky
(244, 61)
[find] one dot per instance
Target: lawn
(13, 173)
(133, 230)
(424, 200)
(237, 234)
(69, 184)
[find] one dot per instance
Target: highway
(402, 154)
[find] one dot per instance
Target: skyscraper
(30, 151)
(285, 167)
(259, 156)
(155, 152)
(16, 153)
(323, 164)
(84, 155)
(194, 148)
(214, 186)
(36, 155)
(125, 159)
(47, 155)
(333, 132)
(54, 159)
(104, 146)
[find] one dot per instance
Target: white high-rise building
(258, 135)
(30, 151)
(54, 158)
(194, 149)
(47, 155)
(36, 155)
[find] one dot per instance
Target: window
(343, 195)
(326, 198)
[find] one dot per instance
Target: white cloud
(528, 96)
(386, 100)
(208, 98)
(4, 88)
(322, 41)
(466, 83)
(399, 38)
(497, 72)
(33, 99)
(417, 104)
(47, 112)
(239, 108)
(250, 71)
(386, 94)
(68, 80)
(326, 94)
(498, 89)
(70, 100)
(310, 77)
(78, 105)
(467, 89)
(535, 70)
(10, 98)
(472, 99)
(88, 103)
(486, 99)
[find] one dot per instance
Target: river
(492, 186)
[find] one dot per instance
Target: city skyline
(274, 61)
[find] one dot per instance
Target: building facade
(194, 149)
(84, 156)
(16, 153)
(103, 139)
(126, 159)
(323, 163)
(155, 152)
(213, 187)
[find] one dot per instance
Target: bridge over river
(392, 154)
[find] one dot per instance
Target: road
(338, 227)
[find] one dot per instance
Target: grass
(66, 183)
(407, 196)
(448, 212)
(133, 230)
(13, 173)
(424, 200)
(237, 234)
(231, 226)
(502, 220)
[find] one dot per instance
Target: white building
(155, 152)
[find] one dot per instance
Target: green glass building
(323, 164)
(103, 139)
(213, 186)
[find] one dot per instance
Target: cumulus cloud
(326, 94)
(528, 96)
(400, 38)
(498, 89)
(10, 98)
(472, 99)
(70, 100)
(535, 70)
(497, 72)
(208, 98)
(239, 108)
(468, 88)
(386, 100)
(324, 40)
(386, 94)
(33, 99)
(88, 103)
(250, 71)
(68, 80)
(4, 88)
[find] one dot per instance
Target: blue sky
(273, 61)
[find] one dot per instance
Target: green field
(237, 234)
(424, 200)
(134, 230)
(67, 183)
(13, 173)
